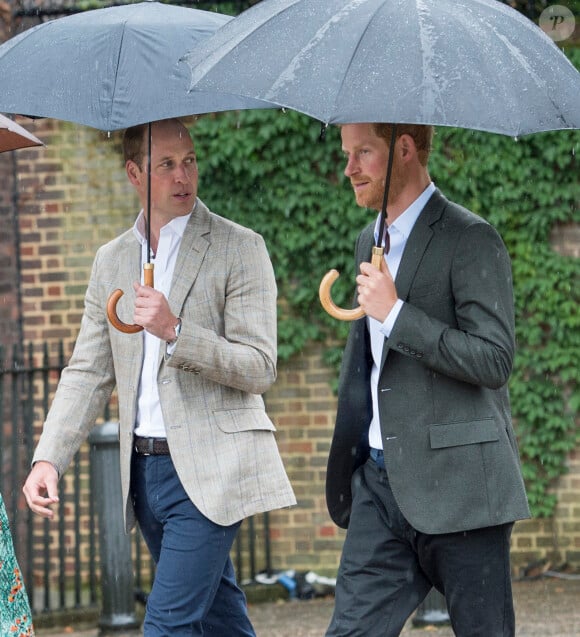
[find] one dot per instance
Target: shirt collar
(176, 225)
(404, 222)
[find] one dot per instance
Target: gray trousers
(387, 568)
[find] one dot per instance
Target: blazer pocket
(470, 432)
(232, 421)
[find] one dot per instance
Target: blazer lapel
(367, 241)
(417, 243)
(194, 245)
(415, 248)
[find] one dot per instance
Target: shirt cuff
(170, 348)
(392, 316)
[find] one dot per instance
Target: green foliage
(268, 170)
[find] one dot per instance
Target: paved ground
(548, 607)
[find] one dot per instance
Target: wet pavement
(547, 607)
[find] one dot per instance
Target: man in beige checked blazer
(198, 452)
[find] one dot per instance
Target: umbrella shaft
(386, 193)
(149, 196)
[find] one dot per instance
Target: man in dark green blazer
(424, 469)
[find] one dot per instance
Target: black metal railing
(60, 559)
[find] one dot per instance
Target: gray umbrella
(468, 63)
(110, 69)
(465, 63)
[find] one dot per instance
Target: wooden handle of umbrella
(115, 321)
(326, 285)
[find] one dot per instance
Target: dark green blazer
(450, 448)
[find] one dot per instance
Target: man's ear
(407, 147)
(133, 172)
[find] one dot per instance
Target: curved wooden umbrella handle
(115, 321)
(326, 284)
(328, 304)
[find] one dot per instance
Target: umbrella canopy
(110, 68)
(467, 63)
(13, 136)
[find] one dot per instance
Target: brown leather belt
(151, 446)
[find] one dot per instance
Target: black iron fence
(60, 559)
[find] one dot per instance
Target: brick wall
(73, 196)
(302, 406)
(556, 541)
(78, 198)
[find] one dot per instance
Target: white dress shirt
(149, 415)
(399, 232)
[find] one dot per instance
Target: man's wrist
(177, 331)
(389, 322)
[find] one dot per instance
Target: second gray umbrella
(467, 63)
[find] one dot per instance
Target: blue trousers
(388, 567)
(195, 590)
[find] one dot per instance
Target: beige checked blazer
(221, 440)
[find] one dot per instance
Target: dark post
(118, 598)
(432, 611)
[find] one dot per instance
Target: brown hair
(133, 144)
(135, 139)
(421, 134)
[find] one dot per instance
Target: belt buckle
(149, 451)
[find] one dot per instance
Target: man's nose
(182, 174)
(351, 167)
